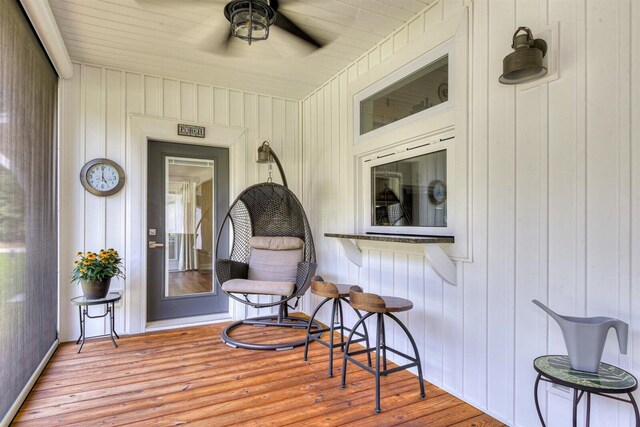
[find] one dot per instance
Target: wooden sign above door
(191, 130)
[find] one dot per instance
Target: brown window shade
(28, 218)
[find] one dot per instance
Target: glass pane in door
(189, 225)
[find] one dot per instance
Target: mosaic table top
(608, 379)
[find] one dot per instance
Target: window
(408, 192)
(417, 90)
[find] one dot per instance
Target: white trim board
(184, 322)
(42, 19)
(139, 130)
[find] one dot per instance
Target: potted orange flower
(95, 270)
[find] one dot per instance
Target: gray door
(187, 198)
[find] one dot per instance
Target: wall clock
(102, 177)
(437, 192)
(443, 92)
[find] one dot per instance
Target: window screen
(28, 221)
(410, 192)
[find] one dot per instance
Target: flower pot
(96, 289)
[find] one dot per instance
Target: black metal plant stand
(83, 313)
(608, 381)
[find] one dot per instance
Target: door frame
(140, 130)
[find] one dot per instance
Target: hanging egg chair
(271, 259)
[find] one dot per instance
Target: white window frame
(416, 148)
(445, 49)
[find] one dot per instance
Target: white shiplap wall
(95, 105)
(555, 207)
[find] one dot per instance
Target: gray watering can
(585, 337)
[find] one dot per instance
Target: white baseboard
(27, 388)
(161, 325)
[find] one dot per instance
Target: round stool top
(379, 304)
(608, 379)
(82, 300)
(395, 304)
(330, 290)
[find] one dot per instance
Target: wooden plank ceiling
(182, 39)
(187, 376)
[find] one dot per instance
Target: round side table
(607, 382)
(83, 311)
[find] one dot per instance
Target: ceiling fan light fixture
(250, 19)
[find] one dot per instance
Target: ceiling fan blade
(225, 42)
(179, 3)
(286, 24)
(217, 42)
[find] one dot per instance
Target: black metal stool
(381, 306)
(335, 293)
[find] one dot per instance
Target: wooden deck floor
(189, 376)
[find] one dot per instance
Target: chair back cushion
(275, 259)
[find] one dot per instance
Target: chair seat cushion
(259, 287)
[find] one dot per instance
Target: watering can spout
(550, 312)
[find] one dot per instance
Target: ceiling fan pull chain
(270, 179)
(250, 22)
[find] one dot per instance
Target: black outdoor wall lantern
(524, 64)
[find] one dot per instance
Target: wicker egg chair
(267, 214)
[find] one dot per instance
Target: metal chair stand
(282, 320)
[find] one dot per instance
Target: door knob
(153, 245)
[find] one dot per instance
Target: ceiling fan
(250, 21)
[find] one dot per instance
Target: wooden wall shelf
(437, 259)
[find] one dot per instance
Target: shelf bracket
(352, 251)
(441, 263)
